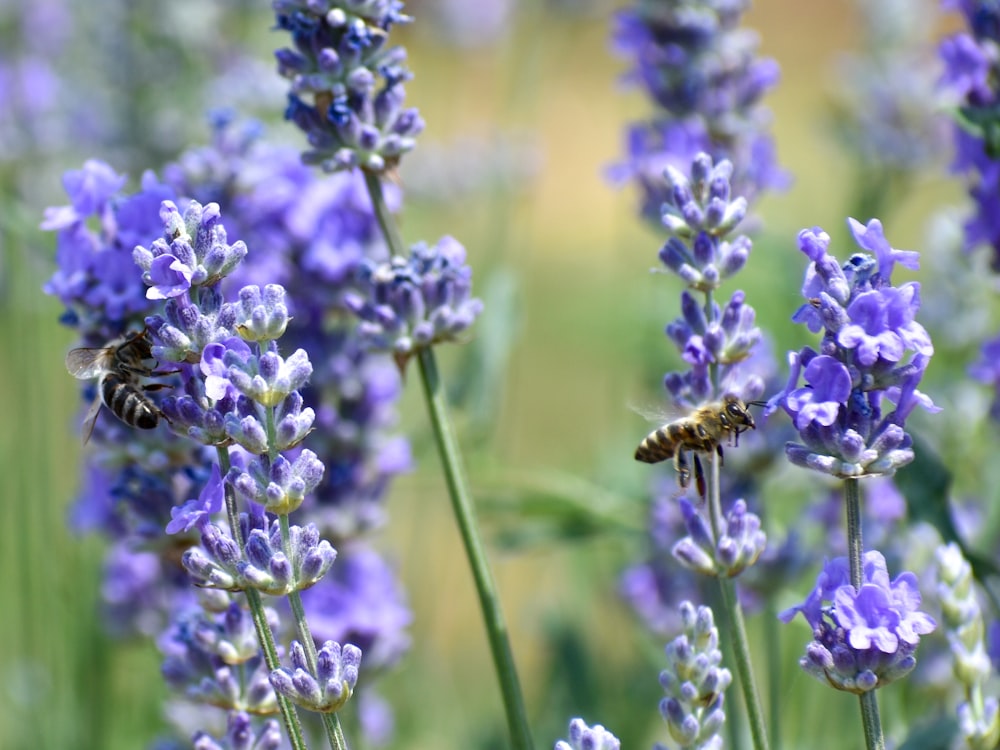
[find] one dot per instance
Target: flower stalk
(289, 716)
(462, 506)
(874, 739)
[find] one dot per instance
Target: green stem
(489, 601)
(738, 632)
(855, 555)
(265, 637)
(730, 600)
(773, 647)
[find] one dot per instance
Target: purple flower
(873, 352)
(194, 514)
(342, 65)
(168, 277)
(863, 639)
(701, 71)
(361, 602)
(829, 385)
(407, 304)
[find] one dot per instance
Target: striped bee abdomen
(127, 402)
(657, 446)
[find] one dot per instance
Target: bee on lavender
(702, 431)
(119, 368)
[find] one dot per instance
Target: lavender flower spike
(738, 546)
(872, 355)
(406, 304)
(333, 684)
(863, 639)
(695, 682)
(979, 715)
(340, 56)
(583, 737)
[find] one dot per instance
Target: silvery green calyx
(193, 251)
(261, 315)
(240, 735)
(346, 82)
(978, 715)
(740, 541)
(330, 687)
(695, 682)
(583, 737)
(263, 563)
(407, 304)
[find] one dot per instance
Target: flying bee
(118, 368)
(702, 431)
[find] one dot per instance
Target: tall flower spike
(406, 304)
(978, 715)
(873, 352)
(740, 542)
(862, 640)
(346, 84)
(701, 71)
(330, 687)
(695, 682)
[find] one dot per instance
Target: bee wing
(86, 363)
(91, 419)
(657, 413)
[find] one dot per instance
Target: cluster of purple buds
(262, 564)
(583, 737)
(333, 684)
(340, 54)
(214, 657)
(701, 71)
(240, 734)
(740, 542)
(978, 715)
(407, 304)
(701, 216)
(694, 682)
(862, 639)
(873, 352)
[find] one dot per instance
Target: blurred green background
(588, 342)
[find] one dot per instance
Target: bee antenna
(756, 403)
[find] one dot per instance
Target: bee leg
(156, 386)
(718, 449)
(683, 472)
(699, 477)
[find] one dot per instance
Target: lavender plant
(700, 69)
(860, 387)
(347, 97)
(135, 486)
(979, 714)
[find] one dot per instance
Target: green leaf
(544, 506)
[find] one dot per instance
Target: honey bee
(703, 431)
(118, 368)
